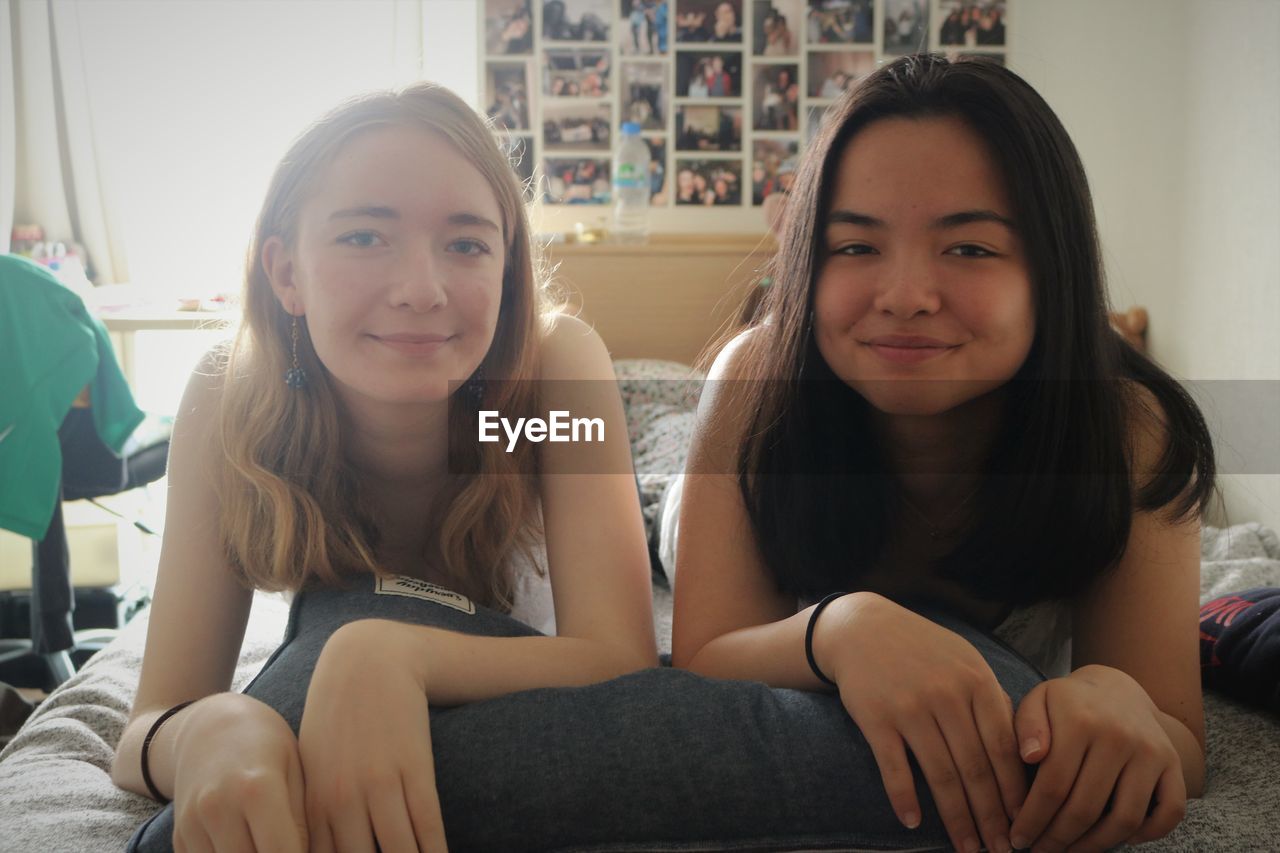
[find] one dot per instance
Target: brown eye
(968, 250)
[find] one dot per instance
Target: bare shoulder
(731, 361)
(572, 349)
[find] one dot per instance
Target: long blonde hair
(291, 509)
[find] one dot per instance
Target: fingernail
(1030, 747)
(1003, 846)
(972, 845)
(911, 820)
(1020, 843)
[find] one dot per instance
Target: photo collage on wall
(726, 92)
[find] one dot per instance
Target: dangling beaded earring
(295, 377)
(475, 385)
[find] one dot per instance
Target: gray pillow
(659, 759)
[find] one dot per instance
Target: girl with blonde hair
(332, 451)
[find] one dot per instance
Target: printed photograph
(773, 167)
(580, 127)
(576, 20)
(708, 21)
(575, 72)
(906, 26)
(814, 118)
(643, 88)
(506, 86)
(644, 27)
(841, 21)
(657, 170)
(708, 75)
(708, 128)
(777, 27)
(568, 180)
(708, 182)
(971, 23)
(831, 73)
(508, 27)
(775, 95)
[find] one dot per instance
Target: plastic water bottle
(631, 187)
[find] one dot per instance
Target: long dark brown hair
(1054, 509)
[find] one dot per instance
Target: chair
(52, 446)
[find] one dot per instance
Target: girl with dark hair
(930, 433)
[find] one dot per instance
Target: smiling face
(922, 275)
(397, 267)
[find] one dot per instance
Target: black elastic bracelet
(146, 748)
(808, 636)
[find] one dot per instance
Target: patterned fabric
(660, 398)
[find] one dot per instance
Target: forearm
(774, 653)
(1189, 750)
(456, 669)
(126, 768)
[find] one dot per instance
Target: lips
(413, 343)
(908, 349)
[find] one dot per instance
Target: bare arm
(596, 551)
(1142, 620)
(199, 612)
(730, 621)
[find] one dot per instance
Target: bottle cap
(630, 128)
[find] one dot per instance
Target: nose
(907, 290)
(419, 283)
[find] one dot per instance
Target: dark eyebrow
(951, 220)
(854, 219)
(966, 217)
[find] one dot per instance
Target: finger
(940, 772)
(389, 815)
(994, 712)
(895, 773)
(1083, 808)
(423, 803)
(1129, 801)
(1032, 724)
(272, 824)
(1171, 806)
(321, 838)
(1054, 780)
(986, 807)
(352, 831)
(190, 837)
(222, 827)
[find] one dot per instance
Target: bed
(56, 793)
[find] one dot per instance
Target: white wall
(1175, 108)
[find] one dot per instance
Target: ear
(277, 260)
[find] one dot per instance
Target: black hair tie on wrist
(808, 636)
(146, 749)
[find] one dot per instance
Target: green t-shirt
(51, 347)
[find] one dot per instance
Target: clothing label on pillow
(414, 588)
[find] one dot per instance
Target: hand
(909, 682)
(249, 798)
(365, 744)
(1104, 761)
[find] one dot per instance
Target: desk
(123, 322)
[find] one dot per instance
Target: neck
(940, 458)
(396, 444)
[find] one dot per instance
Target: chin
(919, 398)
